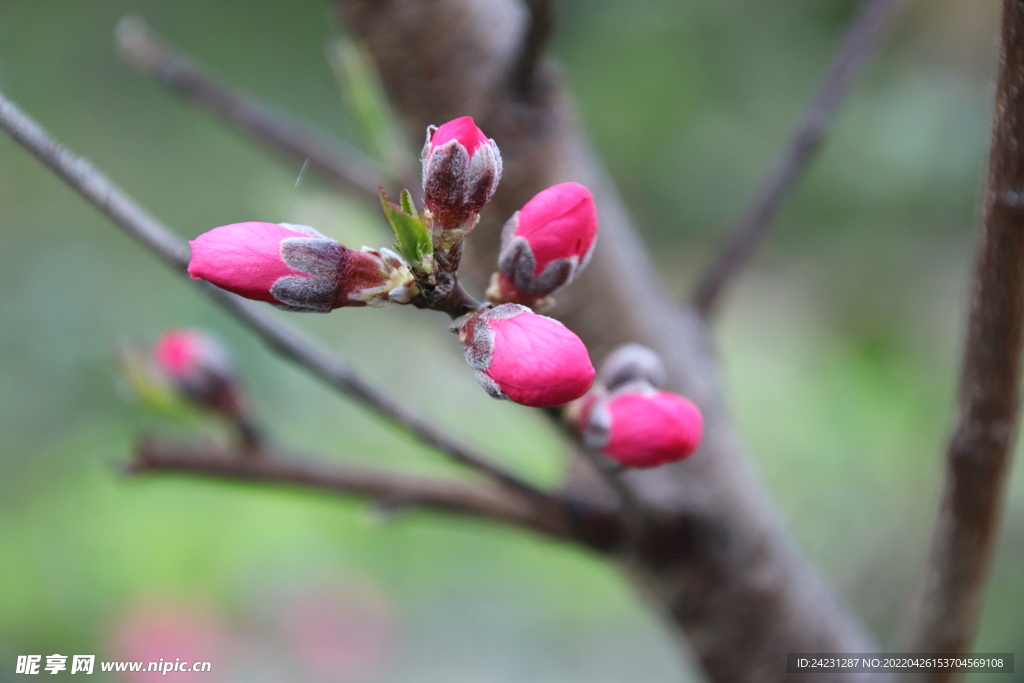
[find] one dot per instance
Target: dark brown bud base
(440, 289)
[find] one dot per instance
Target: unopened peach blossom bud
(546, 244)
(527, 358)
(461, 169)
(298, 268)
(639, 426)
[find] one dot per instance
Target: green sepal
(413, 235)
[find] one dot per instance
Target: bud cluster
(516, 353)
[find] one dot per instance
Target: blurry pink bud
(296, 267)
(528, 358)
(152, 631)
(639, 426)
(545, 245)
(195, 361)
(344, 633)
(200, 367)
(461, 169)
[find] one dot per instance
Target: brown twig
(987, 415)
(793, 160)
(538, 31)
(188, 78)
(635, 521)
(389, 488)
(333, 369)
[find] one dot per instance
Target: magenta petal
(653, 428)
(559, 222)
(244, 258)
(537, 361)
(462, 129)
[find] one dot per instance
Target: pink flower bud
(181, 353)
(461, 169)
(545, 245)
(199, 366)
(639, 426)
(296, 267)
(528, 358)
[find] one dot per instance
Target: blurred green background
(840, 346)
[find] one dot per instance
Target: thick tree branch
(185, 76)
(987, 416)
(388, 488)
(794, 159)
(720, 565)
(99, 190)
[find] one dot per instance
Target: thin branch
(636, 521)
(390, 488)
(333, 369)
(635, 518)
(531, 50)
(987, 415)
(190, 79)
(793, 160)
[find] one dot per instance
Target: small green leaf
(414, 239)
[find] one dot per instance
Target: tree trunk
(721, 566)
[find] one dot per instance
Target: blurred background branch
(532, 49)
(392, 490)
(792, 161)
(182, 74)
